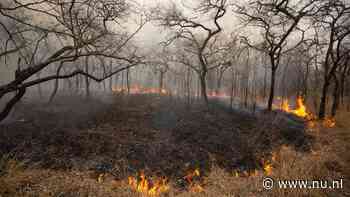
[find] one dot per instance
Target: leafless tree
(335, 19)
(73, 29)
(278, 20)
(191, 30)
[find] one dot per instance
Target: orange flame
(215, 94)
(246, 173)
(285, 106)
(329, 122)
(300, 111)
(194, 187)
(268, 168)
(147, 187)
(301, 108)
(268, 164)
(140, 90)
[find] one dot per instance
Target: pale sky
(151, 35)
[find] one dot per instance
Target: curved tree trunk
(6, 111)
(56, 85)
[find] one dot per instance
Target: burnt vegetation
(202, 98)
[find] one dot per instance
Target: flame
(329, 122)
(215, 94)
(149, 187)
(285, 106)
(268, 169)
(311, 124)
(267, 164)
(136, 89)
(246, 173)
(274, 157)
(196, 188)
(193, 187)
(254, 173)
(236, 173)
(100, 178)
(300, 110)
(163, 91)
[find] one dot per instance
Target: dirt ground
(61, 149)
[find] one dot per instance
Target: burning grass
(301, 111)
(137, 89)
(149, 186)
(207, 154)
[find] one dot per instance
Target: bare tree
(191, 30)
(74, 29)
(335, 19)
(278, 20)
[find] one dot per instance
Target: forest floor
(78, 147)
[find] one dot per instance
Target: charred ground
(160, 135)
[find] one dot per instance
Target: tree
(334, 18)
(160, 61)
(73, 30)
(278, 20)
(191, 30)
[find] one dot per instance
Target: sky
(151, 34)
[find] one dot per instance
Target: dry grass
(289, 165)
(329, 159)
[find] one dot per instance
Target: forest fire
(140, 90)
(267, 164)
(300, 111)
(155, 186)
(268, 168)
(150, 187)
(329, 122)
(215, 94)
(190, 178)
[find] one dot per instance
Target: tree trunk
(316, 84)
(336, 95)
(40, 92)
(198, 88)
(322, 110)
(161, 81)
(116, 80)
(219, 82)
(9, 106)
(122, 82)
(204, 87)
(77, 86)
(232, 87)
(110, 83)
(87, 82)
(342, 84)
(127, 80)
(56, 84)
(70, 85)
(188, 84)
(265, 83)
(272, 88)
